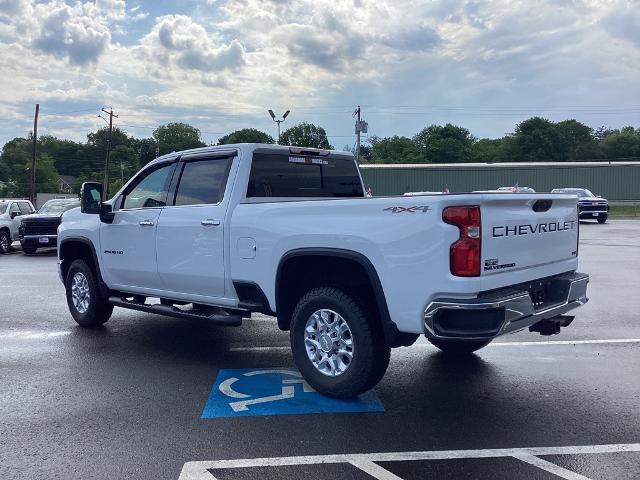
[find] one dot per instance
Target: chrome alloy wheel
(328, 342)
(80, 292)
(4, 242)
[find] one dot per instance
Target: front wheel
(5, 241)
(86, 305)
(29, 250)
(335, 346)
(459, 347)
(602, 219)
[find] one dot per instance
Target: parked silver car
(10, 210)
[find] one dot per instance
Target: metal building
(615, 181)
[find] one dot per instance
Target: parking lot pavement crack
(549, 467)
(373, 469)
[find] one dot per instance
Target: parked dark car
(590, 206)
(40, 229)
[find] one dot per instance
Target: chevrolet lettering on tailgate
(528, 229)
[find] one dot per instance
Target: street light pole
(273, 117)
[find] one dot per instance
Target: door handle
(209, 222)
(146, 223)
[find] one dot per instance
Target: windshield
(53, 206)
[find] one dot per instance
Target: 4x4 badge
(421, 208)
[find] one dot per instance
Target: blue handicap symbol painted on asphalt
(244, 392)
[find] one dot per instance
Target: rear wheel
(5, 241)
(459, 347)
(602, 219)
(86, 305)
(335, 346)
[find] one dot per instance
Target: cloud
(420, 37)
(624, 23)
(68, 33)
(248, 55)
(178, 41)
(78, 32)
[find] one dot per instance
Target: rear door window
(284, 175)
(202, 182)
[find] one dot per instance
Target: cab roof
(263, 147)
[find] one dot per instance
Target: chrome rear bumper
(504, 311)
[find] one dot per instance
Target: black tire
(29, 250)
(602, 219)
(5, 241)
(370, 352)
(98, 310)
(459, 347)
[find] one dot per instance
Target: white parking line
(367, 461)
(494, 344)
(32, 334)
(568, 342)
(373, 469)
(550, 467)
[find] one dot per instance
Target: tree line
(535, 139)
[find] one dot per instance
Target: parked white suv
(220, 232)
(10, 212)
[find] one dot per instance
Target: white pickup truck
(217, 233)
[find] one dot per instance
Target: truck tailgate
(527, 232)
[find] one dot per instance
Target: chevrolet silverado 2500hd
(217, 233)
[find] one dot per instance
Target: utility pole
(357, 112)
(273, 117)
(121, 173)
(105, 182)
(361, 127)
(32, 195)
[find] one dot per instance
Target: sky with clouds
(220, 64)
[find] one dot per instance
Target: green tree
(15, 153)
(100, 138)
(123, 163)
(622, 144)
(174, 137)
(536, 139)
(576, 141)
(603, 132)
(305, 135)
(445, 144)
(145, 148)
(396, 150)
(46, 177)
(487, 150)
(246, 135)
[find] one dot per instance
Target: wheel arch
(73, 248)
(285, 306)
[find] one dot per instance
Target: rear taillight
(465, 253)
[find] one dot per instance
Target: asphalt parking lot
(141, 397)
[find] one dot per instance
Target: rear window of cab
(289, 175)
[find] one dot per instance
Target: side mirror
(106, 213)
(91, 198)
(14, 215)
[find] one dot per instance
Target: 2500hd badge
(528, 229)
